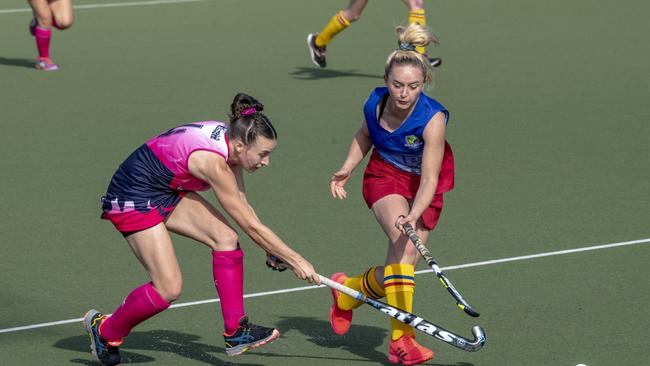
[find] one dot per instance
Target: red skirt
(381, 179)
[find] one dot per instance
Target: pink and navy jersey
(403, 147)
(156, 174)
(174, 147)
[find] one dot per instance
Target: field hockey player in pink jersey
(154, 192)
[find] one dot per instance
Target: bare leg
(42, 12)
(386, 211)
(400, 250)
(196, 218)
(353, 12)
(413, 4)
(153, 247)
(62, 13)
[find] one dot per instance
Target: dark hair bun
(244, 103)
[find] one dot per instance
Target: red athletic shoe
(407, 351)
(340, 319)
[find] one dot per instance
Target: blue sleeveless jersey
(403, 147)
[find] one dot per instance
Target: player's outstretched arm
(213, 169)
(361, 144)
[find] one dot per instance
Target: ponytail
(408, 38)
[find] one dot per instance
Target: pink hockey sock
(141, 304)
(228, 272)
(43, 36)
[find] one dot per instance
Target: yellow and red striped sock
(399, 283)
(366, 284)
(369, 285)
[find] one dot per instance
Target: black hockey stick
(414, 320)
(460, 302)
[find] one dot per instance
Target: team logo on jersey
(412, 141)
(216, 134)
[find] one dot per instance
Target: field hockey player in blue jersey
(410, 168)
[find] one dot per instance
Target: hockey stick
(414, 320)
(460, 302)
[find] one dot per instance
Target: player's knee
(352, 16)
(224, 240)
(173, 291)
(44, 22)
(63, 23)
(170, 289)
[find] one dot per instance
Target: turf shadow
(312, 73)
(362, 340)
(168, 341)
(20, 62)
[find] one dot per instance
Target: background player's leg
(42, 32)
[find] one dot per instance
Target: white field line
(296, 289)
(107, 5)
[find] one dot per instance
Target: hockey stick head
(466, 344)
(468, 310)
(479, 339)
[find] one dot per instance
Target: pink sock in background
(43, 37)
(141, 304)
(228, 272)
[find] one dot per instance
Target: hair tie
(248, 111)
(403, 46)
